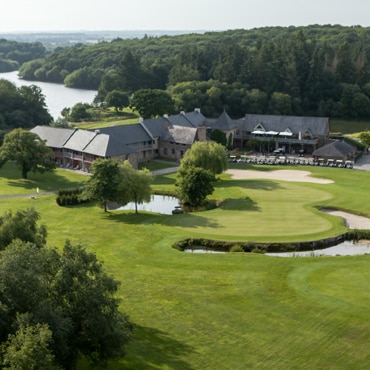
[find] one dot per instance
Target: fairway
(230, 311)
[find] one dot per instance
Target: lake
(57, 96)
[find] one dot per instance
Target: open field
(232, 311)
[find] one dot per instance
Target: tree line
(13, 54)
(21, 107)
(313, 70)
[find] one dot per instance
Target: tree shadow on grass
(255, 184)
(245, 204)
(192, 220)
(46, 182)
(155, 349)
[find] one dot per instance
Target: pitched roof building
(171, 136)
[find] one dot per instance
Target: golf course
(224, 311)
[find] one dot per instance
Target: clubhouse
(170, 136)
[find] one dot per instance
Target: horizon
(189, 16)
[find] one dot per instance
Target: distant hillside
(313, 70)
(51, 40)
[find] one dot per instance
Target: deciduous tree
(103, 184)
(194, 185)
(152, 103)
(28, 151)
(66, 293)
(22, 225)
(210, 156)
(134, 185)
(117, 99)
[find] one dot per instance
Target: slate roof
(128, 134)
(104, 145)
(318, 126)
(79, 140)
(180, 135)
(156, 126)
(335, 149)
(55, 138)
(188, 119)
(94, 143)
(224, 122)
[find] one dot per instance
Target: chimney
(197, 110)
(202, 133)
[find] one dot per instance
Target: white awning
(285, 133)
(272, 133)
(258, 132)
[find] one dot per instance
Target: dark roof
(55, 138)
(180, 120)
(107, 146)
(188, 119)
(128, 134)
(335, 149)
(318, 126)
(223, 123)
(156, 126)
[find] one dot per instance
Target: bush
(70, 197)
(236, 248)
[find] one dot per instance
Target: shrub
(70, 197)
(236, 248)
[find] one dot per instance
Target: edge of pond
(275, 247)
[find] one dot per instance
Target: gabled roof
(194, 119)
(224, 123)
(55, 138)
(318, 126)
(104, 145)
(180, 120)
(156, 126)
(79, 140)
(180, 135)
(335, 149)
(128, 134)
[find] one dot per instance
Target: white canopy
(285, 133)
(258, 132)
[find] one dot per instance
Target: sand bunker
(352, 221)
(285, 175)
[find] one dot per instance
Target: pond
(158, 204)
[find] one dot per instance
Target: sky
(213, 15)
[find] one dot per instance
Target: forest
(13, 54)
(314, 70)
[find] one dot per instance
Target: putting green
(254, 209)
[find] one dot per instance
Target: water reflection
(347, 248)
(158, 204)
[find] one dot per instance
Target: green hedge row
(224, 246)
(70, 197)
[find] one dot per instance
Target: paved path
(165, 171)
(363, 163)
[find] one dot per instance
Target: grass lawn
(347, 126)
(231, 311)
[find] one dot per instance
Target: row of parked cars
(292, 161)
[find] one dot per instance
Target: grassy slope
(232, 311)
